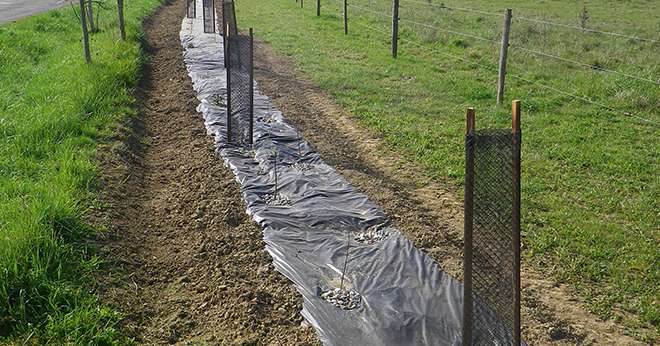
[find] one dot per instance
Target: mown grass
(590, 176)
(54, 109)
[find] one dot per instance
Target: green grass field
(590, 175)
(54, 109)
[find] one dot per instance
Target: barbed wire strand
(594, 67)
(575, 27)
(536, 52)
(447, 30)
(579, 63)
(371, 11)
(494, 69)
(464, 9)
(611, 33)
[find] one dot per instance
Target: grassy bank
(590, 191)
(54, 109)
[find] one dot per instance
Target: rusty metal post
(395, 27)
(251, 86)
(467, 227)
(515, 125)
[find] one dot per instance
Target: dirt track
(189, 266)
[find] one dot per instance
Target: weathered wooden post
(122, 25)
(90, 14)
(503, 55)
(345, 17)
(395, 27)
(83, 22)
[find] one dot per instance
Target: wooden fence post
(83, 22)
(395, 27)
(345, 17)
(90, 14)
(467, 228)
(515, 125)
(318, 8)
(503, 55)
(122, 25)
(301, 3)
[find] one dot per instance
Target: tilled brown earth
(427, 212)
(187, 265)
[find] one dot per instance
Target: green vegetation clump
(590, 175)
(54, 109)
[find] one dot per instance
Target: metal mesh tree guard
(492, 236)
(208, 13)
(240, 89)
(191, 8)
(229, 26)
(218, 5)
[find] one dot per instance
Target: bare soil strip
(428, 213)
(187, 264)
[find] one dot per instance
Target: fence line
(569, 26)
(494, 69)
(536, 52)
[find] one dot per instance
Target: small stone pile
(303, 167)
(269, 119)
(346, 300)
(277, 200)
(371, 235)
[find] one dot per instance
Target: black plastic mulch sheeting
(492, 238)
(240, 89)
(406, 298)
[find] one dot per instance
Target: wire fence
(594, 68)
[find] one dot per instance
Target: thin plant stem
(343, 273)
